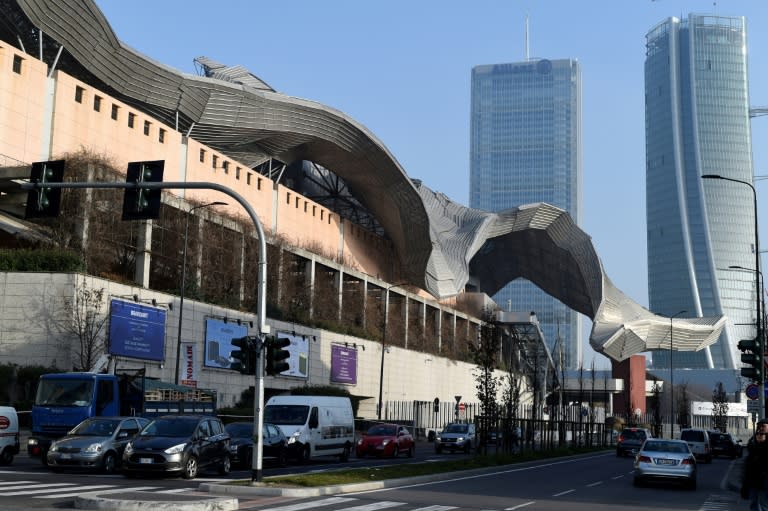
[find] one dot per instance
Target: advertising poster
(298, 362)
(343, 364)
(218, 342)
(189, 364)
(136, 330)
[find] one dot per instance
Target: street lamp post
(184, 280)
(758, 319)
(385, 305)
(672, 379)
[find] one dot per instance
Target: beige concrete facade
(32, 309)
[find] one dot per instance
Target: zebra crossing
(48, 490)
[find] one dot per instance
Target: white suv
(698, 440)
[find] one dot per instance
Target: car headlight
(32, 441)
(385, 442)
(176, 449)
(128, 448)
(360, 442)
(53, 448)
(233, 448)
(460, 439)
(294, 438)
(93, 448)
(437, 439)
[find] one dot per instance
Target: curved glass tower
(525, 147)
(697, 123)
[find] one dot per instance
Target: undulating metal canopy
(440, 244)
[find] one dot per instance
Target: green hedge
(40, 260)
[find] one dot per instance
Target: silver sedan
(96, 443)
(665, 461)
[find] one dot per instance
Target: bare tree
(84, 320)
(719, 408)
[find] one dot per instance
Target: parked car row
(171, 444)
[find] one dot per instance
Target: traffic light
(245, 357)
(140, 203)
(45, 202)
(753, 359)
(276, 355)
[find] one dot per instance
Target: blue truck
(63, 400)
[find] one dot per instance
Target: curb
(144, 501)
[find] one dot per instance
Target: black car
(274, 448)
(630, 440)
(178, 444)
(724, 444)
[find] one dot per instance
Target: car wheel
(304, 454)
(344, 456)
(109, 463)
(6, 457)
(691, 484)
(708, 459)
(247, 459)
(411, 451)
(395, 452)
(226, 465)
(438, 449)
(466, 448)
(618, 453)
(189, 471)
(44, 457)
(282, 458)
(637, 482)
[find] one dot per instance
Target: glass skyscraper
(697, 123)
(525, 147)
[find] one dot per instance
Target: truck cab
(63, 400)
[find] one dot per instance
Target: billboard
(136, 330)
(218, 342)
(343, 364)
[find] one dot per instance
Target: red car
(385, 440)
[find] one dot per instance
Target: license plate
(145, 460)
(665, 462)
(65, 456)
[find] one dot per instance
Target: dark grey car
(178, 444)
(630, 440)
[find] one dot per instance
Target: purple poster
(343, 364)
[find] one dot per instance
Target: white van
(9, 434)
(314, 425)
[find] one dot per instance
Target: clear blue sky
(402, 69)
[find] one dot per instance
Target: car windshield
(96, 427)
(286, 415)
(456, 428)
(633, 435)
(382, 431)
(170, 427)
(64, 392)
(240, 429)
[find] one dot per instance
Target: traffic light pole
(261, 304)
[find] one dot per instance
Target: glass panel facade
(525, 147)
(697, 123)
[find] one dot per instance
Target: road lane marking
(598, 483)
(566, 492)
(37, 491)
(384, 504)
(435, 508)
(97, 492)
(519, 506)
(311, 504)
(35, 486)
